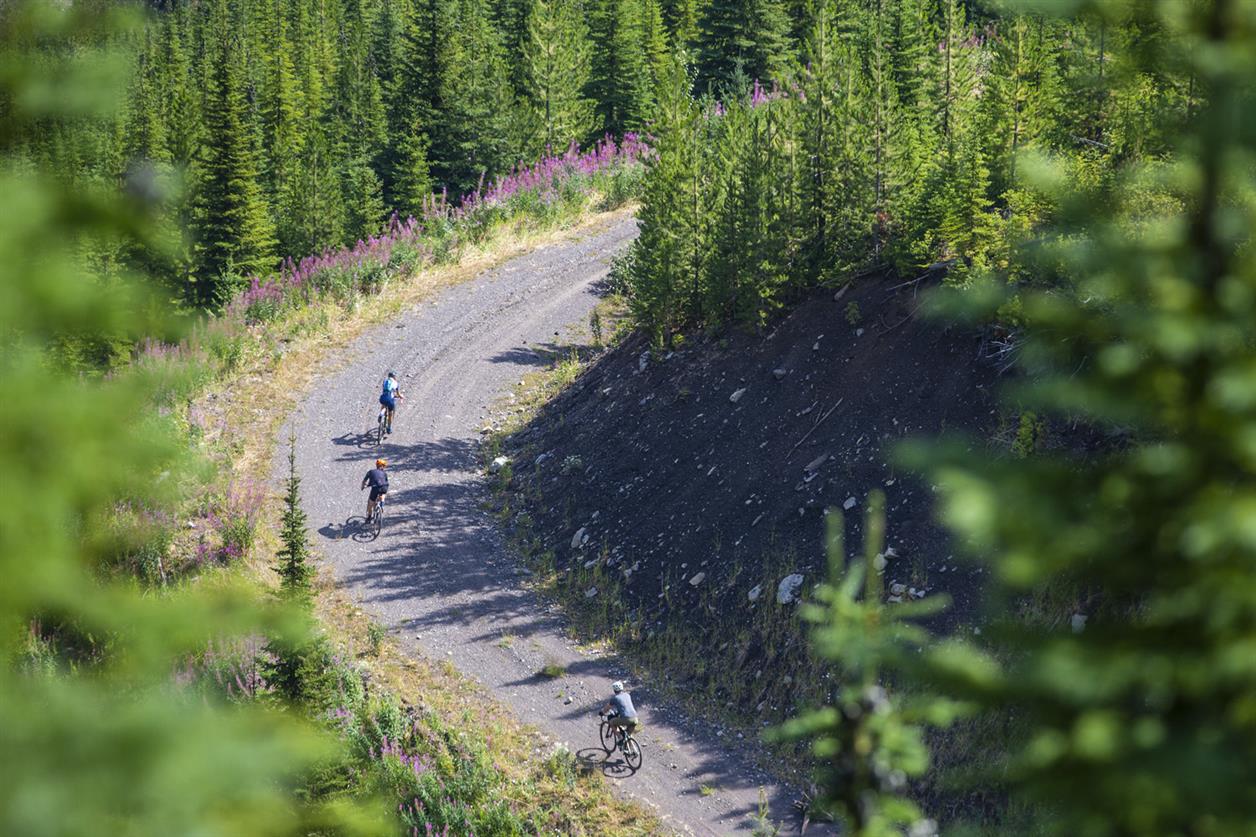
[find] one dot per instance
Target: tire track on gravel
(439, 576)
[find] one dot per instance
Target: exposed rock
(898, 589)
(697, 579)
(779, 374)
(787, 590)
(755, 593)
(590, 593)
(736, 396)
(578, 539)
(1078, 622)
(542, 457)
(850, 503)
(497, 464)
(643, 361)
(817, 462)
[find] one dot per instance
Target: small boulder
(779, 374)
(817, 462)
(697, 579)
(590, 593)
(787, 590)
(755, 593)
(578, 539)
(497, 464)
(850, 503)
(1078, 622)
(736, 396)
(643, 361)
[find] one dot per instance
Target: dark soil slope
(696, 481)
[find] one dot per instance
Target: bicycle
(619, 738)
(381, 425)
(377, 519)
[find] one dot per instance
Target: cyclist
(377, 479)
(389, 397)
(619, 711)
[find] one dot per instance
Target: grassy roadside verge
(520, 783)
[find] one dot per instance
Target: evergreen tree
(620, 80)
(233, 232)
(743, 40)
(556, 60)
(412, 180)
(667, 257)
(290, 662)
(1132, 708)
(476, 99)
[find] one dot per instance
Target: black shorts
(629, 724)
(376, 493)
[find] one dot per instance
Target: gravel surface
(439, 576)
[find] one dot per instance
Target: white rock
(879, 562)
(590, 593)
(588, 565)
(898, 589)
(755, 593)
(817, 462)
(850, 503)
(541, 458)
(1078, 622)
(736, 396)
(579, 538)
(895, 599)
(787, 590)
(643, 361)
(497, 464)
(697, 579)
(779, 374)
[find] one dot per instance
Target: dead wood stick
(813, 428)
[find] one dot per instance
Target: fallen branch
(813, 428)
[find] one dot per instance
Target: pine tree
(667, 258)
(620, 81)
(741, 42)
(556, 61)
(290, 662)
(233, 232)
(477, 101)
(412, 180)
(1132, 706)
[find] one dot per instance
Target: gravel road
(439, 576)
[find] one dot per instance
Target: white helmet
(618, 686)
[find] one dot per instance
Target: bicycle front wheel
(632, 753)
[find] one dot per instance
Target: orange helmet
(380, 463)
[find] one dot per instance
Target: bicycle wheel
(632, 753)
(607, 735)
(378, 522)
(379, 430)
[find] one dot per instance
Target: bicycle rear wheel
(632, 752)
(379, 430)
(607, 735)
(377, 522)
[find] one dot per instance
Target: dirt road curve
(438, 576)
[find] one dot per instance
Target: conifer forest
(224, 222)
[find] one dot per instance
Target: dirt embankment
(678, 497)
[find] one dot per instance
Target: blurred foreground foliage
(100, 733)
(1133, 701)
